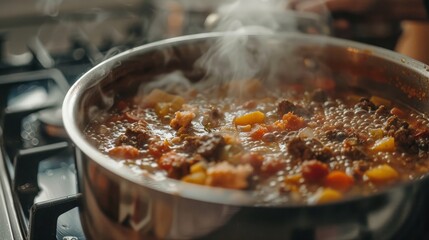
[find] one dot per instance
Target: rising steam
(240, 54)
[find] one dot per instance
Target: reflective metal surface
(120, 204)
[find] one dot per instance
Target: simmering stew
(290, 144)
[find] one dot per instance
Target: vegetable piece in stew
(310, 146)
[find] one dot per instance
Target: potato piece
(293, 179)
(326, 195)
(196, 178)
(376, 133)
(382, 174)
(198, 167)
(386, 144)
(250, 118)
(245, 128)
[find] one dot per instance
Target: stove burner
(52, 122)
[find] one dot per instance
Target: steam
(246, 51)
(241, 55)
(173, 82)
(49, 7)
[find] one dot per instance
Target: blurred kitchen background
(45, 45)
(56, 32)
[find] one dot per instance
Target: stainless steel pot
(120, 204)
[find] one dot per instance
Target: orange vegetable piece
(293, 179)
(314, 171)
(339, 180)
(328, 195)
(124, 152)
(250, 118)
(196, 178)
(293, 122)
(258, 132)
(397, 112)
(382, 174)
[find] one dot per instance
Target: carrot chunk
(339, 180)
(250, 118)
(258, 133)
(314, 171)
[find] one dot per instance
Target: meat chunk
(157, 148)
(311, 149)
(182, 119)
(137, 135)
(366, 104)
(314, 171)
(212, 118)
(286, 106)
(229, 176)
(299, 149)
(175, 164)
(209, 146)
(352, 149)
(382, 111)
(405, 139)
(393, 124)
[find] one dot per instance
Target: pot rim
(193, 191)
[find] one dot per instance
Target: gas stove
(44, 47)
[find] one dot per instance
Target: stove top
(44, 47)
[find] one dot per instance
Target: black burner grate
(32, 167)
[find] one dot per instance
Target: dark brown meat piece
(212, 118)
(382, 111)
(137, 135)
(209, 146)
(405, 140)
(323, 154)
(299, 149)
(306, 150)
(175, 164)
(286, 106)
(393, 124)
(353, 150)
(365, 104)
(319, 95)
